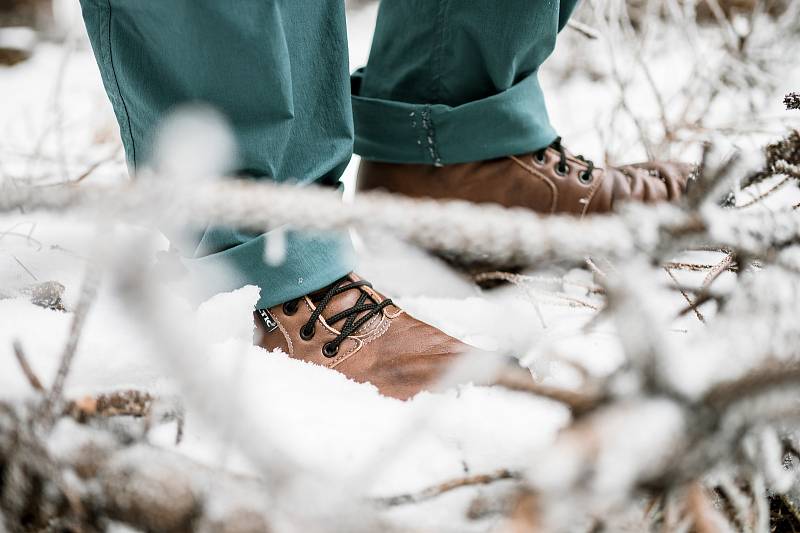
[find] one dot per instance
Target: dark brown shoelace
(350, 316)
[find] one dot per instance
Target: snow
(17, 37)
(332, 426)
(316, 418)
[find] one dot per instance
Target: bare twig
(584, 29)
(87, 297)
(26, 269)
(685, 295)
(754, 383)
(447, 486)
(525, 283)
(97, 164)
(30, 375)
(769, 192)
(704, 294)
(578, 402)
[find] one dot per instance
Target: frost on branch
(783, 157)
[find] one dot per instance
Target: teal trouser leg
(453, 81)
(277, 69)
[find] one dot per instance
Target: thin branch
(705, 295)
(89, 171)
(691, 303)
(26, 269)
(694, 267)
(578, 402)
(31, 376)
(87, 297)
(699, 300)
(759, 381)
(769, 192)
(584, 29)
(596, 270)
(447, 486)
(723, 266)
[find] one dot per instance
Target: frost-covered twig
(85, 301)
(485, 234)
(526, 282)
(692, 304)
(694, 267)
(491, 232)
(477, 233)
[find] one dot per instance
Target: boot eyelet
(290, 307)
(306, 333)
(329, 350)
(539, 158)
(562, 170)
(585, 177)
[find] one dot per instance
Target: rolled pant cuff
(514, 121)
(312, 262)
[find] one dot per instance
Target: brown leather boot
(549, 181)
(350, 327)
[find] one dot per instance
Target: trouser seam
(438, 51)
(110, 56)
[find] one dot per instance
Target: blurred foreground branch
(485, 234)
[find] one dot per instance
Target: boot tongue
(344, 301)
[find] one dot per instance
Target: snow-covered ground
(55, 123)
